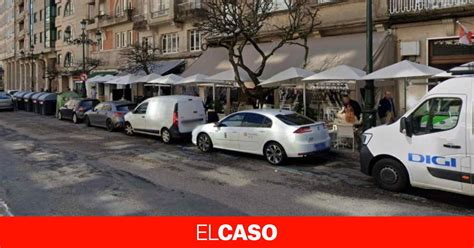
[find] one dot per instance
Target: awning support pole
(405, 93)
(369, 117)
(304, 98)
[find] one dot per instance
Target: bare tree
(139, 57)
(78, 68)
(237, 25)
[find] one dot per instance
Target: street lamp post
(32, 57)
(83, 41)
(369, 111)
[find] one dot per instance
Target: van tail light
(175, 118)
(303, 130)
(82, 109)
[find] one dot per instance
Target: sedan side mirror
(406, 126)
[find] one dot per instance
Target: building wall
(420, 28)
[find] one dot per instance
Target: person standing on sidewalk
(386, 108)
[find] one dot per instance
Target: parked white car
(170, 117)
(276, 134)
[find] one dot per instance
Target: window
(123, 41)
(58, 11)
(68, 32)
(35, 38)
(436, 115)
(121, 6)
(68, 60)
(129, 38)
(256, 120)
(100, 45)
(41, 37)
(295, 119)
(141, 109)
(69, 8)
(99, 107)
(35, 19)
(41, 15)
(232, 121)
(195, 41)
(58, 36)
(159, 8)
(117, 40)
(58, 59)
(170, 43)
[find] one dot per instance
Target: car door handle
(452, 146)
(143, 117)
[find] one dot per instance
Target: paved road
(52, 167)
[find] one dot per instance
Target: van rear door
(191, 113)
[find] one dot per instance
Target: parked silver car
(276, 134)
(6, 101)
(109, 115)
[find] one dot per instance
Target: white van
(431, 146)
(170, 117)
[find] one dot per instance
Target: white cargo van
(170, 117)
(431, 146)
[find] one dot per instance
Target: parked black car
(75, 109)
(109, 115)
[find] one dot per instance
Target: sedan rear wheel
(128, 129)
(204, 142)
(109, 125)
(274, 153)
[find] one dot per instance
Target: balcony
(186, 10)
(400, 7)
(124, 16)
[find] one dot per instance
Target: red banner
(140, 232)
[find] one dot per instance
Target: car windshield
(123, 108)
(295, 119)
(4, 95)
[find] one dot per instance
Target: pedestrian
(386, 108)
(93, 93)
(351, 107)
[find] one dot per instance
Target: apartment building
(7, 37)
(427, 32)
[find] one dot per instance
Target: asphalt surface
(56, 168)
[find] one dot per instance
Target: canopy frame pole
(304, 98)
(405, 84)
(214, 95)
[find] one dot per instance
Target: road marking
(4, 210)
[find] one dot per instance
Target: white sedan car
(277, 134)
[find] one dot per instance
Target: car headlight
(366, 137)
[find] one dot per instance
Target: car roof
(119, 102)
(172, 97)
(272, 112)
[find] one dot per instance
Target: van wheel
(274, 153)
(391, 175)
(128, 129)
(75, 119)
(109, 125)
(60, 116)
(166, 136)
(204, 142)
(87, 121)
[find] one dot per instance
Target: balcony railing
(416, 6)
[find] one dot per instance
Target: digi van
(430, 147)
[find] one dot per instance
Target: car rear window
(122, 108)
(87, 104)
(3, 95)
(295, 119)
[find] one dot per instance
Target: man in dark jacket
(386, 108)
(347, 101)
